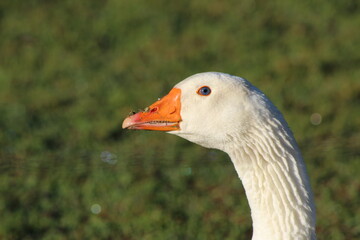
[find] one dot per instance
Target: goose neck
(276, 184)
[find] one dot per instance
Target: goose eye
(204, 91)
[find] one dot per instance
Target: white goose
(225, 112)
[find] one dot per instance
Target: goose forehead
(212, 79)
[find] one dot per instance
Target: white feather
(240, 120)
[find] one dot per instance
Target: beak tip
(127, 123)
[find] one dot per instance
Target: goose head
(206, 108)
(225, 112)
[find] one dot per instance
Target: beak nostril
(155, 109)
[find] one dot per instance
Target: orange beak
(163, 115)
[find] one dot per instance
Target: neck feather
(273, 173)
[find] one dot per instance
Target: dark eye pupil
(205, 91)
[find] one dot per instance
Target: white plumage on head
(217, 110)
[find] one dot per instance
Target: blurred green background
(70, 71)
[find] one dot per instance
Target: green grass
(70, 71)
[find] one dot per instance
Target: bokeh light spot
(315, 119)
(95, 208)
(108, 157)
